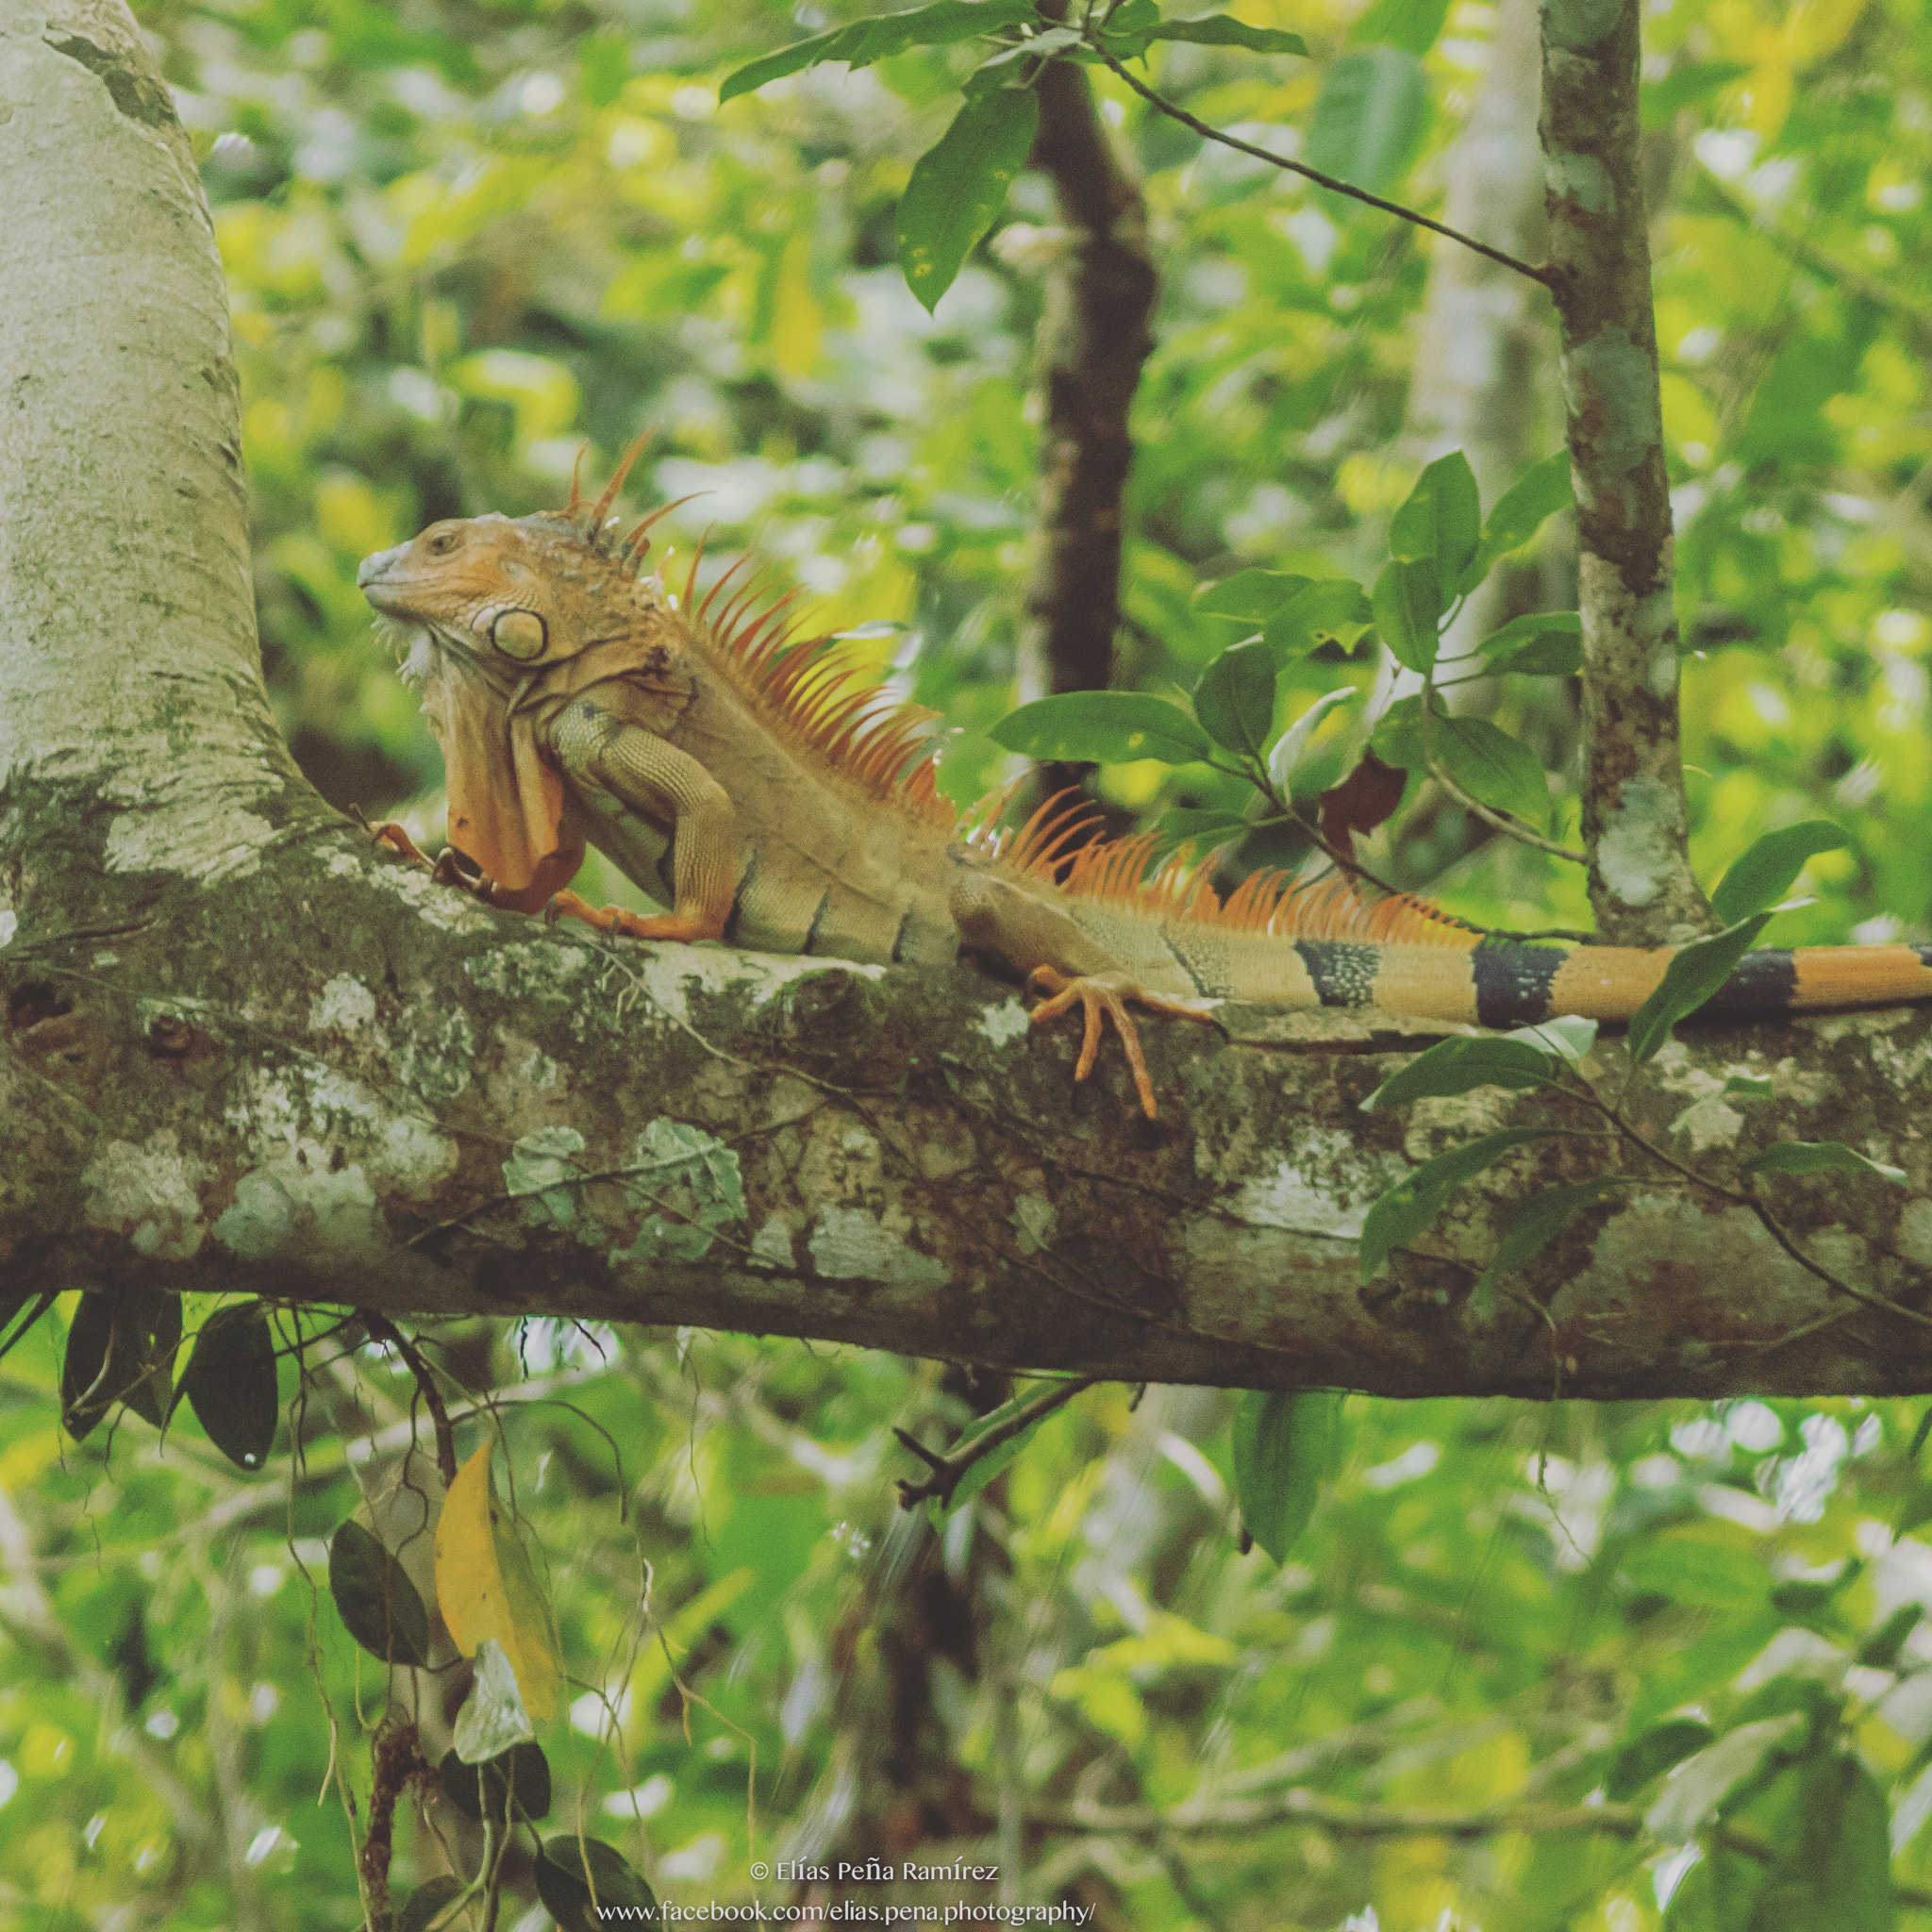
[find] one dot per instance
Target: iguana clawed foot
(392, 835)
(1107, 993)
(703, 924)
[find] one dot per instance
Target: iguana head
(486, 610)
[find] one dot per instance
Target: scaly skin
(767, 795)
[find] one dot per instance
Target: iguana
(779, 801)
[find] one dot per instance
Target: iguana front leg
(554, 872)
(623, 767)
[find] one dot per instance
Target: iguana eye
(519, 634)
(444, 542)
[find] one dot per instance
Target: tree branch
(1316, 176)
(1636, 822)
(243, 1050)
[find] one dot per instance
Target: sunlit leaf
(494, 1719)
(1710, 1776)
(1493, 767)
(1292, 746)
(958, 186)
(1411, 24)
(1250, 595)
(1461, 1065)
(1219, 30)
(1770, 867)
(1541, 643)
(1407, 604)
(1235, 699)
(859, 45)
(1335, 609)
(1520, 511)
(1104, 727)
(1441, 518)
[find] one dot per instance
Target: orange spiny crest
(1178, 888)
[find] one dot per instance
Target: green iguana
(781, 801)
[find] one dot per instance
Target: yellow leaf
(486, 1588)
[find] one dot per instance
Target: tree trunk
(241, 1050)
(1635, 822)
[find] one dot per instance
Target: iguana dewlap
(780, 802)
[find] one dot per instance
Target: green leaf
(230, 1383)
(1407, 1207)
(11, 1304)
(1880, 1650)
(519, 1776)
(604, 60)
(1218, 30)
(1531, 1229)
(1648, 1757)
(1292, 745)
(1250, 595)
(119, 1348)
(1696, 973)
(1369, 117)
(1411, 24)
(865, 41)
(1769, 870)
(1285, 1444)
(1235, 699)
(1330, 608)
(1461, 1065)
(990, 1465)
(380, 1607)
(567, 1868)
(1820, 1156)
(1710, 1775)
(1567, 1034)
(960, 185)
(1407, 603)
(1542, 644)
(1103, 728)
(1748, 1087)
(1494, 768)
(1205, 828)
(1441, 519)
(1520, 511)
(428, 1902)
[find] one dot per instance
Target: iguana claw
(1107, 994)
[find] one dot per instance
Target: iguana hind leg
(1107, 994)
(701, 923)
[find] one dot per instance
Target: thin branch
(382, 1329)
(949, 1468)
(1316, 176)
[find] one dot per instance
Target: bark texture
(1635, 823)
(241, 1050)
(1093, 340)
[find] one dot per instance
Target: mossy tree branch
(241, 1049)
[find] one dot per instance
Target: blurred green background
(464, 240)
